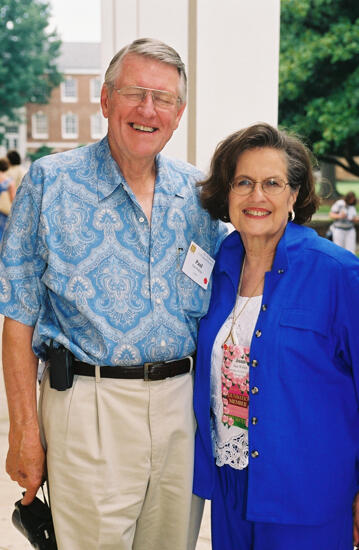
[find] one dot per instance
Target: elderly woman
(277, 375)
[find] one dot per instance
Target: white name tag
(198, 265)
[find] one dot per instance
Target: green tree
(319, 77)
(28, 54)
(40, 152)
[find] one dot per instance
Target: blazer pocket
(304, 319)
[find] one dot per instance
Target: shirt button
(163, 343)
(255, 390)
(280, 271)
(254, 454)
(254, 363)
(258, 333)
(158, 300)
(152, 259)
(254, 420)
(264, 307)
(141, 219)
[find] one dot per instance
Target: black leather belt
(158, 370)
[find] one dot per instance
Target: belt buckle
(146, 369)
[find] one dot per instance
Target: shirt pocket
(192, 298)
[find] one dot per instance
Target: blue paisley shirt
(80, 262)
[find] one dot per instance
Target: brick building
(73, 116)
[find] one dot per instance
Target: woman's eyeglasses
(270, 186)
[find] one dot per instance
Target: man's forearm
(26, 458)
(20, 372)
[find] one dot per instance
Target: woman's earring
(291, 216)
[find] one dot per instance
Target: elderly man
(92, 281)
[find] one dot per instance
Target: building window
(69, 126)
(12, 136)
(11, 142)
(69, 90)
(40, 128)
(96, 126)
(95, 90)
(13, 129)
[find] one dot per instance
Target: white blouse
(229, 439)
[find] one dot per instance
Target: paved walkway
(10, 538)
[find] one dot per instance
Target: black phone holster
(60, 362)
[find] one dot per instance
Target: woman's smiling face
(258, 214)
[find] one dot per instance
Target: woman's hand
(338, 215)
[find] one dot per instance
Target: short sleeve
(336, 207)
(21, 265)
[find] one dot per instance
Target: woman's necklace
(235, 317)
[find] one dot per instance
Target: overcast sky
(76, 20)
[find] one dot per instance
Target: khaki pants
(120, 464)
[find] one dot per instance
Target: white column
(22, 134)
(237, 68)
(231, 50)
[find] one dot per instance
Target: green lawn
(324, 209)
(345, 186)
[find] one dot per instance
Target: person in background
(344, 213)
(92, 283)
(277, 371)
(16, 170)
(7, 193)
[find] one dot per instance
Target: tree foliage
(28, 54)
(42, 151)
(319, 76)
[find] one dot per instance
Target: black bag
(35, 523)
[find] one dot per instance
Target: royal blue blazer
(304, 360)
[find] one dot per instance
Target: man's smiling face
(140, 131)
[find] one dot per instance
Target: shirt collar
(230, 256)
(289, 244)
(168, 182)
(109, 175)
(232, 251)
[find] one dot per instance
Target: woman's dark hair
(350, 198)
(215, 189)
(4, 164)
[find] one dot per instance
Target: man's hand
(356, 520)
(25, 462)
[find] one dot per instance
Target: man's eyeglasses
(134, 95)
(270, 186)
